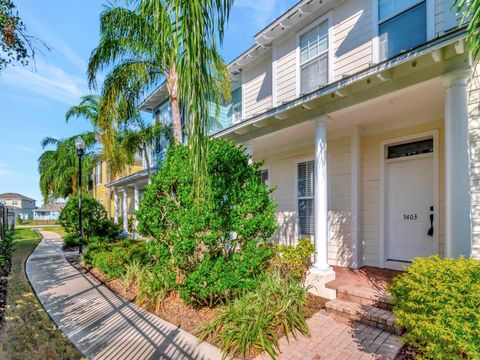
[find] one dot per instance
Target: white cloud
(48, 81)
(262, 11)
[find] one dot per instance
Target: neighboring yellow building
(99, 180)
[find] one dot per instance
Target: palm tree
(156, 40)
(58, 168)
(470, 11)
(142, 137)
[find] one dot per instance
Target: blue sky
(33, 102)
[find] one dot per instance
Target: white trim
(274, 75)
(430, 7)
(243, 93)
(375, 39)
(330, 55)
(433, 134)
(355, 196)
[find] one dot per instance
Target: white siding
(339, 202)
(257, 89)
(286, 54)
(352, 36)
(474, 129)
(282, 173)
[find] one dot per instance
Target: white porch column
(248, 151)
(136, 204)
(115, 206)
(125, 209)
(457, 171)
(321, 197)
(355, 196)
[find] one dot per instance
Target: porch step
(347, 311)
(362, 295)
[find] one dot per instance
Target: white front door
(410, 209)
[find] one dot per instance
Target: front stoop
(382, 319)
(360, 303)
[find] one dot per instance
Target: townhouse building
(365, 116)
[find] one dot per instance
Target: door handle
(430, 231)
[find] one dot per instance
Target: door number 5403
(410, 217)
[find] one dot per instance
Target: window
(410, 149)
(264, 176)
(164, 115)
(314, 58)
(98, 173)
(402, 26)
(14, 202)
(305, 194)
(236, 113)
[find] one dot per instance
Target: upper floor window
(236, 113)
(314, 58)
(14, 202)
(402, 26)
(165, 116)
(98, 173)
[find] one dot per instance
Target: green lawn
(29, 333)
(56, 229)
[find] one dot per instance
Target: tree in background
(470, 11)
(58, 168)
(156, 40)
(15, 44)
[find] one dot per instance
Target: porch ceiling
(417, 104)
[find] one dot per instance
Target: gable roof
(15, 196)
(51, 207)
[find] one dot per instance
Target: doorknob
(430, 231)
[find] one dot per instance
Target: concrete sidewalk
(100, 323)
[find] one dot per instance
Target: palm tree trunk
(172, 85)
(147, 161)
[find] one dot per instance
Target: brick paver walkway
(333, 340)
(101, 324)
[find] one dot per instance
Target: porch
(371, 183)
(127, 193)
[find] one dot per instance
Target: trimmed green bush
(193, 236)
(251, 324)
(70, 240)
(218, 279)
(94, 216)
(438, 302)
(293, 260)
(6, 247)
(112, 259)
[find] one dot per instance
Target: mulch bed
(173, 309)
(3, 291)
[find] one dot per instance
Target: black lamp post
(80, 147)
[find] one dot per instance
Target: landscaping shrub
(154, 285)
(112, 259)
(70, 240)
(94, 216)
(6, 247)
(437, 301)
(192, 235)
(293, 260)
(217, 279)
(253, 323)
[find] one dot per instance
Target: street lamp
(80, 147)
